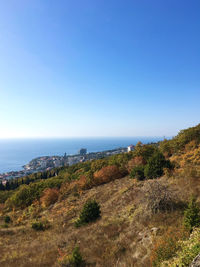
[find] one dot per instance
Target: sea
(14, 153)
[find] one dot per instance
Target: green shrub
(7, 219)
(155, 166)
(138, 172)
(73, 260)
(90, 212)
(192, 215)
(40, 225)
(4, 195)
(145, 151)
(76, 259)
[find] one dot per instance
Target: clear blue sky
(99, 68)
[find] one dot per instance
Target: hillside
(142, 195)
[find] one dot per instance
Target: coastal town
(46, 163)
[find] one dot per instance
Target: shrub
(189, 249)
(145, 151)
(138, 173)
(73, 260)
(158, 197)
(4, 195)
(166, 246)
(76, 259)
(98, 164)
(107, 174)
(50, 196)
(155, 166)
(40, 225)
(7, 219)
(136, 161)
(192, 215)
(90, 212)
(119, 160)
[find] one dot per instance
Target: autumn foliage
(167, 245)
(50, 196)
(107, 174)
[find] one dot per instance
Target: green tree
(138, 172)
(90, 212)
(2, 186)
(7, 219)
(76, 259)
(155, 166)
(192, 215)
(146, 151)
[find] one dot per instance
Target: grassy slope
(122, 237)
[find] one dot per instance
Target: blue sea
(14, 153)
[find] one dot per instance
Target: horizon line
(85, 137)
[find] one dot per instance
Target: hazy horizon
(83, 137)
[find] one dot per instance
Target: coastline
(45, 163)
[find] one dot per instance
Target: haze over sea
(14, 153)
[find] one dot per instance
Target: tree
(145, 151)
(192, 215)
(2, 186)
(90, 212)
(76, 259)
(138, 172)
(7, 185)
(155, 166)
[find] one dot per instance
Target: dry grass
(121, 237)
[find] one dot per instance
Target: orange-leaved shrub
(107, 174)
(50, 196)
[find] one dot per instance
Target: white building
(130, 148)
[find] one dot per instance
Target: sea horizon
(16, 152)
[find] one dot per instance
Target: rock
(196, 261)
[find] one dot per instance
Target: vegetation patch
(50, 196)
(7, 219)
(159, 197)
(166, 246)
(73, 260)
(192, 215)
(138, 173)
(40, 225)
(90, 212)
(188, 250)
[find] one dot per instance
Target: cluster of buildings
(49, 162)
(42, 163)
